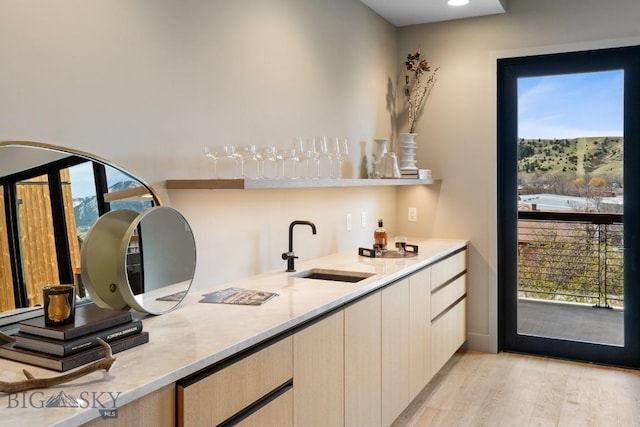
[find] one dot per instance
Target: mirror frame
(104, 260)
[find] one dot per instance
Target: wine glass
(270, 163)
(300, 147)
(251, 162)
(226, 161)
(338, 150)
(213, 155)
(290, 163)
(324, 160)
(313, 159)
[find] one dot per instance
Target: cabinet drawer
(448, 333)
(278, 412)
(222, 394)
(443, 297)
(448, 268)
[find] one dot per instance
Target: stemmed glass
(252, 162)
(271, 165)
(300, 148)
(338, 150)
(324, 160)
(227, 164)
(313, 159)
(290, 163)
(213, 155)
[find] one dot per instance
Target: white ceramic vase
(408, 151)
(380, 148)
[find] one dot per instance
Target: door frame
(508, 71)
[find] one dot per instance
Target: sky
(571, 105)
(83, 183)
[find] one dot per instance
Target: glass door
(566, 132)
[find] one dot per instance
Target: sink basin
(334, 275)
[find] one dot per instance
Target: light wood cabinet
(155, 409)
(211, 398)
(419, 331)
(395, 350)
(278, 412)
(318, 372)
(448, 308)
(360, 366)
(362, 362)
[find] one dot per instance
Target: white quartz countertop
(196, 335)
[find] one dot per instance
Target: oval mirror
(49, 198)
(144, 261)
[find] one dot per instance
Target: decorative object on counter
(390, 166)
(239, 296)
(59, 304)
(380, 236)
(419, 79)
(132, 260)
(408, 152)
(416, 173)
(401, 245)
(290, 256)
(66, 363)
(89, 318)
(69, 346)
(32, 382)
(380, 148)
(409, 251)
(76, 345)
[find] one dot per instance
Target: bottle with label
(380, 236)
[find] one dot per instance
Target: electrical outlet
(348, 222)
(412, 214)
(363, 219)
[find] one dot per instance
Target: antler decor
(32, 382)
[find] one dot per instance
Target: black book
(88, 319)
(65, 348)
(61, 364)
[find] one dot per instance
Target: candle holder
(59, 305)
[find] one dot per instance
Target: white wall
(457, 133)
(147, 83)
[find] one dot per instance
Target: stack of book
(409, 173)
(67, 347)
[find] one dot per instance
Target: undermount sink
(334, 275)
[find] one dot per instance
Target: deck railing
(572, 257)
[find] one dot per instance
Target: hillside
(592, 156)
(86, 210)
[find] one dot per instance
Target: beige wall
(147, 83)
(457, 134)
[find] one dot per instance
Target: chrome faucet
(291, 256)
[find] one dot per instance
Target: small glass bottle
(380, 236)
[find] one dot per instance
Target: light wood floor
(505, 389)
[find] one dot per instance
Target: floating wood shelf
(129, 193)
(255, 184)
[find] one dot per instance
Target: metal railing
(572, 257)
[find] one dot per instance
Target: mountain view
(580, 156)
(589, 168)
(86, 209)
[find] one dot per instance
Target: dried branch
(416, 89)
(32, 382)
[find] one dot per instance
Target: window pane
(7, 301)
(570, 170)
(37, 244)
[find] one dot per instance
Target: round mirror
(144, 261)
(50, 196)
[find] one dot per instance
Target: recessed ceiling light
(457, 2)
